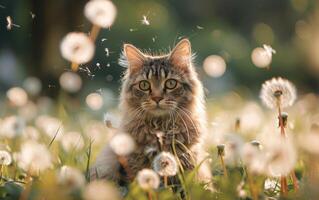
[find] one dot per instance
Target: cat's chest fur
(155, 135)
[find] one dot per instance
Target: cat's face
(159, 85)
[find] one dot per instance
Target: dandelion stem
(25, 193)
(294, 181)
(94, 32)
(149, 194)
(252, 187)
(165, 181)
(74, 66)
(223, 165)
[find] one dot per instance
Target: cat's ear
(181, 55)
(135, 58)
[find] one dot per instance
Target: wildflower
(32, 85)
(5, 158)
(34, 157)
(309, 142)
(100, 190)
(31, 133)
(51, 126)
(148, 179)
(72, 141)
(280, 155)
(70, 82)
(71, 177)
(261, 57)
(77, 47)
(101, 13)
(17, 96)
(278, 88)
(122, 144)
(165, 164)
(111, 120)
(94, 101)
(11, 127)
(214, 66)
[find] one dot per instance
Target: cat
(160, 93)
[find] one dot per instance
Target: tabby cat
(160, 93)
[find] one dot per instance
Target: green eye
(171, 84)
(144, 85)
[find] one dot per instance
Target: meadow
(258, 148)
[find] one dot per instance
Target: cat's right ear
(135, 58)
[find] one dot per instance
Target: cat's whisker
(190, 119)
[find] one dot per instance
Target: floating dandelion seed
(101, 13)
(199, 27)
(107, 52)
(100, 190)
(145, 21)
(214, 66)
(122, 144)
(10, 23)
(148, 179)
(278, 88)
(269, 50)
(165, 164)
(103, 39)
(262, 57)
(94, 101)
(70, 177)
(77, 47)
(72, 141)
(32, 15)
(34, 157)
(70, 82)
(5, 158)
(111, 120)
(17, 96)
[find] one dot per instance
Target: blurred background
(229, 29)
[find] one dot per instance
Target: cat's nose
(157, 99)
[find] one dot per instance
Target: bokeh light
(214, 66)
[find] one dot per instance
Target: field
(262, 144)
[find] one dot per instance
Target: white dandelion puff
(5, 158)
(51, 126)
(31, 133)
(77, 47)
(100, 12)
(100, 190)
(72, 141)
(32, 85)
(11, 127)
(34, 157)
(70, 82)
(214, 66)
(278, 88)
(71, 177)
(165, 164)
(94, 101)
(148, 179)
(122, 144)
(17, 96)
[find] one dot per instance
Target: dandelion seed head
(278, 88)
(17, 96)
(261, 57)
(5, 158)
(70, 82)
(122, 144)
(72, 141)
(34, 157)
(77, 47)
(70, 177)
(32, 85)
(214, 66)
(94, 101)
(51, 126)
(148, 179)
(165, 164)
(100, 190)
(100, 12)
(11, 127)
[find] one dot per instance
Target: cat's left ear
(134, 57)
(181, 55)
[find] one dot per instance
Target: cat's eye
(144, 85)
(171, 84)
